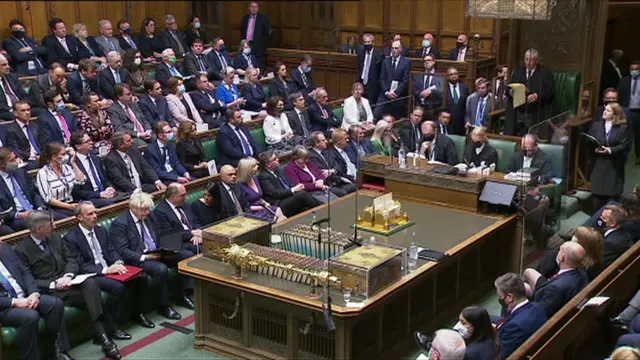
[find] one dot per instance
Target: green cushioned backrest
(258, 137)
(339, 112)
(106, 222)
(267, 92)
(194, 196)
(566, 91)
(557, 155)
(151, 75)
(461, 143)
(210, 150)
(505, 150)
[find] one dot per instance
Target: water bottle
(372, 239)
(402, 158)
(413, 256)
(313, 218)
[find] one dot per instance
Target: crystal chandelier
(511, 9)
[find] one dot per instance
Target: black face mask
(459, 44)
(503, 304)
(368, 47)
(18, 33)
(429, 137)
(477, 144)
(608, 102)
(129, 31)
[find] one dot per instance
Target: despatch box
(239, 230)
(369, 268)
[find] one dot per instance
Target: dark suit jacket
(216, 64)
(410, 136)
(20, 273)
(458, 110)
(190, 153)
(76, 90)
(624, 90)
(481, 350)
(121, 120)
(229, 146)
(615, 244)
(337, 162)
(540, 161)
(94, 49)
(277, 88)
(192, 67)
(436, 98)
(44, 267)
(158, 112)
(77, 243)
(49, 129)
(319, 122)
(18, 141)
(106, 82)
(241, 61)
(224, 204)
(273, 191)
(519, 325)
(148, 46)
(296, 79)
(119, 174)
(28, 188)
(6, 112)
(445, 150)
(453, 54)
(210, 112)
(554, 294)
(296, 125)
(170, 42)
(400, 74)
(608, 170)
(85, 191)
(255, 97)
(374, 70)
(124, 44)
(191, 35)
(154, 157)
(163, 73)
(169, 223)
(352, 150)
(419, 52)
(20, 60)
(541, 83)
(56, 53)
(125, 236)
(488, 154)
(261, 33)
(610, 77)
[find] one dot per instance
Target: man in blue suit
(97, 188)
(206, 101)
(11, 90)
(82, 81)
(302, 77)
(174, 217)
(358, 144)
(395, 73)
(154, 106)
(161, 155)
(234, 140)
(56, 123)
(27, 57)
(524, 317)
(218, 58)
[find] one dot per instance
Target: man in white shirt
(22, 136)
(98, 187)
(106, 41)
(174, 217)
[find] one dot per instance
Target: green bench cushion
(194, 196)
(461, 143)
(258, 137)
(566, 88)
(505, 150)
(267, 92)
(339, 112)
(210, 150)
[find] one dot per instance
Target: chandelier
(511, 9)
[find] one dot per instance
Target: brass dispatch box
(239, 230)
(369, 268)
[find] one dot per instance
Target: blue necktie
(7, 286)
(46, 248)
(148, 241)
(32, 139)
(480, 114)
(117, 77)
(245, 145)
(24, 202)
(132, 43)
(202, 67)
(111, 46)
(281, 181)
(175, 72)
(96, 178)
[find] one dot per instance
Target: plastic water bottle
(402, 158)
(372, 239)
(313, 218)
(413, 256)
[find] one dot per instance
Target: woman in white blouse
(277, 132)
(180, 104)
(357, 109)
(57, 178)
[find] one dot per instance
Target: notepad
(519, 94)
(79, 279)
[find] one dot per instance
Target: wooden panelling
(10, 10)
(373, 15)
(90, 13)
(114, 11)
(349, 15)
(138, 10)
(453, 14)
(67, 10)
(398, 19)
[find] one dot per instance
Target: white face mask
(65, 159)
(137, 61)
(462, 330)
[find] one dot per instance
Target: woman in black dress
(132, 61)
(281, 85)
(481, 338)
(149, 43)
(190, 150)
(193, 32)
(607, 174)
(204, 208)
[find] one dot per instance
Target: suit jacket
(346, 50)
(28, 188)
(57, 53)
(608, 170)
(457, 111)
(481, 350)
(76, 89)
(399, 74)
(519, 325)
(224, 205)
(20, 60)
(42, 84)
(229, 146)
(170, 42)
(374, 67)
(210, 107)
(241, 61)
(192, 67)
(85, 191)
(190, 153)
(445, 150)
(163, 73)
(540, 161)
(125, 235)
(277, 88)
(154, 157)
(124, 44)
(554, 294)
(616, 243)
(624, 90)
(273, 190)
(488, 154)
(18, 141)
(610, 77)
(261, 33)
(148, 46)
(437, 85)
(118, 172)
(169, 223)
(299, 84)
(50, 131)
(338, 163)
(468, 55)
(255, 97)
(179, 111)
(318, 121)
(296, 124)
(77, 242)
(410, 136)
(108, 44)
(6, 112)
(216, 65)
(352, 150)
(20, 273)
(86, 52)
(106, 82)
(420, 54)
(472, 109)
(540, 82)
(121, 120)
(226, 95)
(44, 267)
(154, 113)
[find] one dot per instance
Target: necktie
(367, 64)
(324, 111)
(9, 91)
(250, 27)
(555, 276)
(395, 63)
(427, 81)
(63, 42)
(222, 60)
(46, 248)
(116, 76)
(281, 180)
(456, 97)
(22, 199)
(65, 127)
(175, 72)
(86, 88)
(95, 176)
(111, 46)
(633, 89)
(133, 118)
(528, 74)
(232, 193)
(97, 249)
(202, 67)
(304, 80)
(305, 131)
(7, 286)
(32, 139)
(180, 48)
(148, 241)
(480, 113)
(132, 43)
(460, 55)
(183, 218)
(134, 180)
(246, 148)
(416, 135)
(424, 52)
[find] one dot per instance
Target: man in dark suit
(56, 123)
(61, 48)
(205, 99)
(50, 81)
(610, 95)
(388, 50)
(125, 115)
(299, 117)
(462, 52)
(539, 82)
(125, 40)
(479, 105)
(410, 133)
(321, 114)
(53, 266)
(10, 90)
(456, 94)
(612, 70)
(162, 157)
(234, 140)
(195, 63)
(444, 123)
(358, 145)
(302, 77)
(427, 48)
(319, 154)
(616, 238)
(231, 199)
(22, 135)
(278, 189)
(173, 38)
(174, 217)
(22, 306)
(218, 58)
(127, 169)
(339, 160)
(351, 47)
(394, 84)
(135, 236)
(369, 65)
(27, 57)
(257, 29)
(83, 81)
(428, 88)
(154, 106)
(97, 188)
(629, 95)
(112, 75)
(435, 146)
(168, 68)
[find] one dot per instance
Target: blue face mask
(182, 89)
(223, 48)
(59, 106)
(635, 73)
(426, 43)
(171, 136)
(306, 69)
(196, 25)
(246, 51)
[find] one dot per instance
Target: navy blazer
(56, 53)
(296, 79)
(400, 74)
(519, 326)
(483, 350)
(352, 150)
(255, 97)
(49, 129)
(125, 236)
(28, 188)
(158, 112)
(18, 141)
(163, 73)
(124, 44)
(106, 82)
(94, 49)
(320, 123)
(20, 273)
(453, 54)
(155, 158)
(76, 89)
(6, 112)
(210, 112)
(554, 294)
(216, 64)
(3, 134)
(229, 146)
(85, 191)
(242, 62)
(224, 205)
(78, 243)
(20, 60)
(337, 162)
(169, 223)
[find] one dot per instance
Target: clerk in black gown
(479, 150)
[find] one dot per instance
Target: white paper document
(79, 279)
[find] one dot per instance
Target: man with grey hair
(539, 82)
(11, 89)
(447, 344)
(321, 114)
(112, 75)
(168, 68)
(106, 41)
(53, 266)
(174, 38)
(174, 217)
(369, 61)
(394, 84)
(135, 235)
(299, 117)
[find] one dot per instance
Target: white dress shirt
(20, 293)
(351, 169)
(133, 172)
(94, 245)
(84, 160)
(32, 150)
(526, 161)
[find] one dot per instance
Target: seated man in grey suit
(126, 115)
(107, 42)
(479, 105)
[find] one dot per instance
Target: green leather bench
(339, 112)
(558, 156)
(210, 150)
(461, 144)
(566, 91)
(506, 150)
(267, 92)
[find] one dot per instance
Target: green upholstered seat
(557, 153)
(267, 92)
(151, 75)
(566, 91)
(194, 196)
(258, 137)
(339, 112)
(210, 150)
(505, 150)
(461, 143)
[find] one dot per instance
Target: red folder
(132, 273)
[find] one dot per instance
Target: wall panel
(36, 15)
(373, 15)
(114, 11)
(137, 11)
(10, 10)
(350, 14)
(453, 14)
(398, 15)
(67, 10)
(90, 13)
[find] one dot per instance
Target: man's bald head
(428, 127)
(571, 254)
(228, 174)
(176, 193)
(396, 48)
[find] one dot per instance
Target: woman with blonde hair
(625, 353)
(611, 152)
(89, 48)
(246, 173)
(357, 110)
